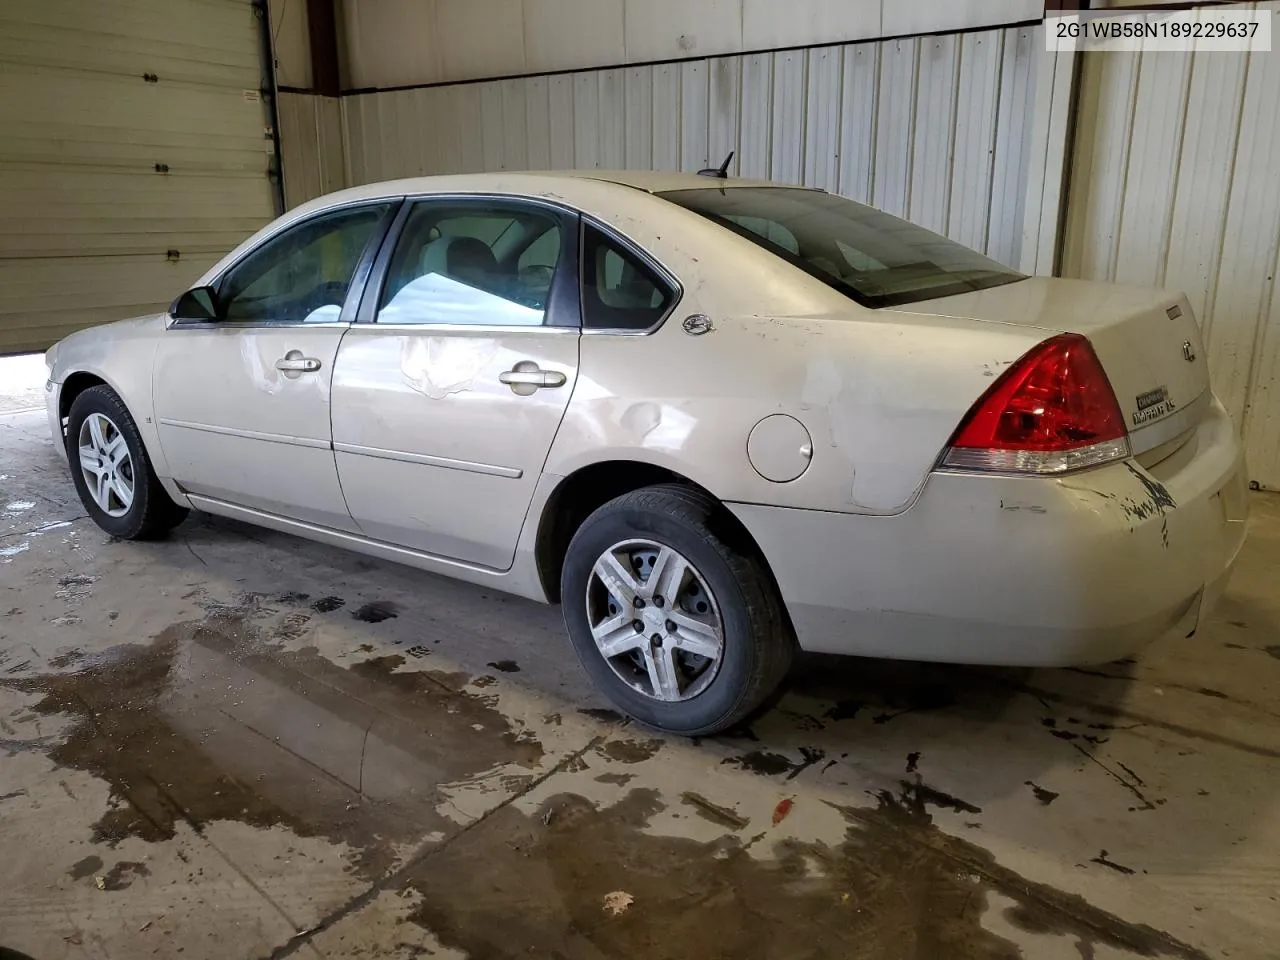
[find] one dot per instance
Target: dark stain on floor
(630, 751)
(85, 868)
(913, 761)
(894, 887)
(122, 875)
(714, 813)
(505, 666)
(761, 762)
(213, 722)
(1101, 858)
(774, 764)
(603, 714)
(1209, 692)
(376, 611)
(1045, 797)
(328, 604)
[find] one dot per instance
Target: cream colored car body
(875, 551)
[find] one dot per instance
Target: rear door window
(488, 263)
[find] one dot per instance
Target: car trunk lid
(1147, 341)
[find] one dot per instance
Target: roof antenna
(721, 172)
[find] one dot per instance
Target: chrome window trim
(253, 325)
(539, 329)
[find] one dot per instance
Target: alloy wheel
(655, 620)
(106, 464)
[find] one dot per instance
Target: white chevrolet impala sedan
(716, 420)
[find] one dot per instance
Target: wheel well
(582, 493)
(72, 387)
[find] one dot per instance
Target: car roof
(562, 183)
(658, 181)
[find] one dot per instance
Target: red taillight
(1052, 411)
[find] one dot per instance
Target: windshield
(871, 256)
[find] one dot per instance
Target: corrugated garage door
(132, 155)
(1175, 183)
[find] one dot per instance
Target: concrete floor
(240, 744)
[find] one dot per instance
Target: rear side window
(619, 290)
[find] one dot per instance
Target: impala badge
(1152, 405)
(1188, 351)
(697, 324)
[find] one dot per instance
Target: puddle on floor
(896, 887)
(211, 722)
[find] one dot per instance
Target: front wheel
(677, 624)
(112, 472)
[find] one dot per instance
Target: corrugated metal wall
(130, 129)
(312, 151)
(401, 43)
(932, 128)
(1176, 182)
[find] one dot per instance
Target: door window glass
(472, 263)
(302, 275)
(619, 290)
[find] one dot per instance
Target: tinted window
(473, 263)
(302, 275)
(876, 259)
(619, 290)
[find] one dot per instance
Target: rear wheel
(112, 471)
(679, 627)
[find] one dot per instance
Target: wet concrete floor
(239, 744)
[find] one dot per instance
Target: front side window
(484, 263)
(874, 258)
(619, 290)
(302, 275)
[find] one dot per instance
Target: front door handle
(297, 364)
(532, 378)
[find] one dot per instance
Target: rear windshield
(873, 257)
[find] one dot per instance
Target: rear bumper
(1023, 571)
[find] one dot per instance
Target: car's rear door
(448, 392)
(243, 402)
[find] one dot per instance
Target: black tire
(152, 513)
(758, 642)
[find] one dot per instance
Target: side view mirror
(198, 303)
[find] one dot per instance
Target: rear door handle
(532, 378)
(292, 364)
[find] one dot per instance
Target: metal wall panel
(930, 127)
(311, 146)
(97, 160)
(787, 161)
(394, 43)
(1009, 160)
(1174, 183)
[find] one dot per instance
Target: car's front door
(448, 393)
(243, 401)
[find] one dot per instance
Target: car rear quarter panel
(879, 393)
